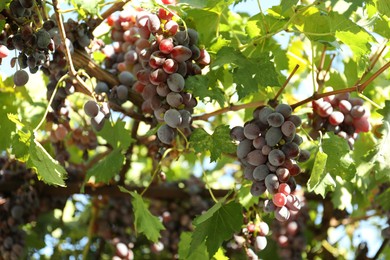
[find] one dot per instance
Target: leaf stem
(50, 101)
(207, 183)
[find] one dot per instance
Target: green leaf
(116, 135)
(320, 181)
(382, 26)
(184, 248)
(245, 197)
(383, 7)
(85, 7)
(287, 4)
(216, 225)
(48, 169)
(107, 168)
(207, 23)
(339, 162)
(145, 222)
(220, 255)
(383, 199)
(205, 86)
(217, 143)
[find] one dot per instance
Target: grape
(171, 27)
(284, 188)
(256, 158)
(282, 214)
(276, 157)
(324, 109)
(20, 78)
(163, 89)
(260, 172)
(174, 99)
(17, 212)
(101, 87)
(166, 45)
(195, 53)
(251, 131)
(263, 228)
(159, 114)
(361, 124)
(288, 128)
(175, 82)
(122, 92)
(345, 106)
(153, 23)
(149, 91)
(279, 199)
(283, 174)
(275, 119)
(181, 53)
(193, 35)
(293, 202)
(4, 52)
(336, 118)
(237, 133)
(295, 119)
(304, 155)
(204, 58)
(269, 206)
(294, 170)
(186, 118)
(166, 134)
(257, 188)
(248, 172)
(266, 149)
(27, 3)
(157, 76)
(272, 183)
(273, 136)
(173, 118)
(157, 59)
(258, 142)
(126, 78)
(244, 148)
(61, 132)
(43, 39)
(122, 250)
(131, 57)
(170, 66)
(181, 38)
(261, 242)
(290, 150)
(297, 139)
(356, 101)
(284, 109)
(357, 111)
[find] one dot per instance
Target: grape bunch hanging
(344, 115)
(153, 55)
(269, 151)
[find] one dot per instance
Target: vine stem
(94, 213)
(232, 107)
(286, 82)
(71, 70)
(50, 101)
(359, 88)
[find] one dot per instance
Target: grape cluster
(269, 150)
(289, 235)
(153, 56)
(344, 115)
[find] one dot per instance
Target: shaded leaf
(107, 168)
(320, 181)
(184, 248)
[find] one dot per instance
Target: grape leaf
(116, 135)
(320, 181)
(48, 169)
(383, 199)
(207, 23)
(287, 4)
(245, 197)
(339, 162)
(383, 7)
(382, 26)
(218, 224)
(217, 143)
(6, 126)
(145, 222)
(184, 248)
(85, 7)
(204, 86)
(107, 168)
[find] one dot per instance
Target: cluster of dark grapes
(344, 115)
(269, 151)
(289, 235)
(30, 38)
(153, 56)
(16, 207)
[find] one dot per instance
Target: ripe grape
(244, 148)
(237, 133)
(276, 157)
(257, 188)
(256, 158)
(173, 118)
(288, 128)
(91, 108)
(336, 118)
(282, 214)
(20, 78)
(251, 131)
(260, 172)
(176, 82)
(284, 188)
(261, 242)
(43, 39)
(272, 183)
(174, 99)
(273, 136)
(284, 109)
(126, 78)
(279, 199)
(181, 53)
(275, 119)
(166, 134)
